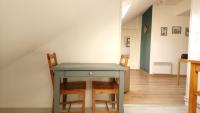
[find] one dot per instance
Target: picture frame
(187, 31)
(127, 41)
(176, 29)
(163, 31)
(145, 29)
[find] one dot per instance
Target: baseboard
(163, 74)
(135, 69)
(40, 110)
(168, 74)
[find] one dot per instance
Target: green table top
(88, 67)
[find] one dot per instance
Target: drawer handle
(90, 73)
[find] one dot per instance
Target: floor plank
(154, 89)
(149, 108)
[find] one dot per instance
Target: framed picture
(163, 31)
(145, 29)
(127, 41)
(176, 29)
(187, 31)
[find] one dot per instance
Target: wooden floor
(155, 89)
(148, 94)
(134, 108)
(150, 108)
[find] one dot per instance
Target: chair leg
(117, 97)
(83, 104)
(64, 101)
(116, 104)
(69, 107)
(93, 101)
(64, 96)
(52, 109)
(107, 108)
(113, 98)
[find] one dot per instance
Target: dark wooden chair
(78, 87)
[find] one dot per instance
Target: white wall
(96, 38)
(126, 33)
(167, 48)
(133, 29)
(128, 29)
(194, 39)
(135, 45)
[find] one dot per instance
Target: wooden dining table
(75, 70)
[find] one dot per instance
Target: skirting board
(38, 110)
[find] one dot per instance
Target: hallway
(155, 89)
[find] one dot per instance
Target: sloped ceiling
(27, 24)
(137, 7)
(172, 2)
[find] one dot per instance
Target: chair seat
(74, 85)
(104, 85)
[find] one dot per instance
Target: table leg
(56, 91)
(64, 96)
(121, 92)
(178, 72)
(113, 95)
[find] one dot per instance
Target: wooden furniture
(127, 80)
(193, 93)
(124, 62)
(110, 88)
(77, 87)
(109, 70)
(178, 69)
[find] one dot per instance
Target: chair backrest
(124, 60)
(52, 61)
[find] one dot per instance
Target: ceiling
(172, 2)
(137, 7)
(28, 24)
(25, 25)
(186, 13)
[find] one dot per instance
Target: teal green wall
(146, 40)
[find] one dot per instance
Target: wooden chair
(107, 88)
(124, 60)
(99, 87)
(78, 87)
